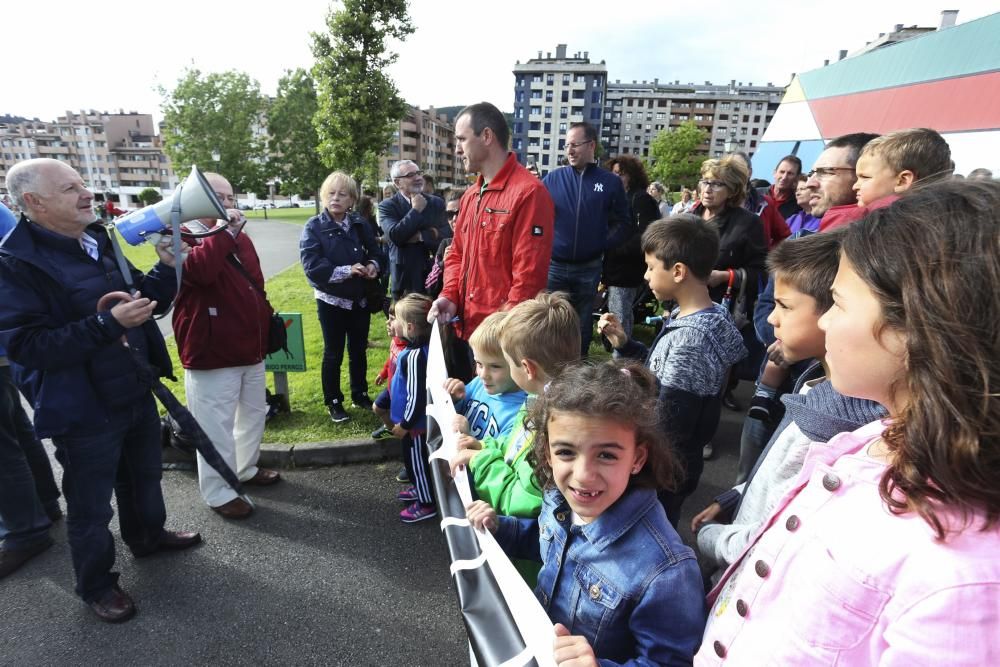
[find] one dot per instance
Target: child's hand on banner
(482, 516)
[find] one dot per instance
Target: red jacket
(775, 228)
(502, 247)
(389, 367)
(220, 321)
(841, 216)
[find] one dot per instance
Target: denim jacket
(626, 582)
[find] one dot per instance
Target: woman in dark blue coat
(341, 259)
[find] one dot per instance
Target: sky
(71, 57)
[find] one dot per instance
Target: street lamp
(216, 156)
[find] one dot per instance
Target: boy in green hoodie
(538, 338)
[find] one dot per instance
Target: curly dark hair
(631, 167)
(623, 392)
(932, 260)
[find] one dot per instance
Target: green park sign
(293, 361)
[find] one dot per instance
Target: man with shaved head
(89, 394)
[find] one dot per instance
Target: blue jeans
(579, 281)
(338, 324)
(27, 488)
(123, 455)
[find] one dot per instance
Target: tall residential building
(734, 116)
(550, 93)
(117, 154)
(427, 138)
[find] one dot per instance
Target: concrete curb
(329, 453)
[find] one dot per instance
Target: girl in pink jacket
(887, 549)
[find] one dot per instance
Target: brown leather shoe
(12, 559)
(237, 508)
(115, 606)
(169, 541)
(264, 477)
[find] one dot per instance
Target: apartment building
(734, 116)
(550, 93)
(428, 138)
(117, 154)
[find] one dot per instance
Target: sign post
(294, 361)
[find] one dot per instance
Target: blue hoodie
(592, 213)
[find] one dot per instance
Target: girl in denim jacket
(885, 551)
(616, 580)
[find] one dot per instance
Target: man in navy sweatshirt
(592, 216)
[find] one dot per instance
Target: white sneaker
(707, 451)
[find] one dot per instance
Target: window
(720, 130)
(595, 113)
(660, 115)
(562, 128)
(699, 105)
(548, 128)
(548, 112)
(520, 96)
(565, 95)
(579, 78)
(548, 95)
(760, 105)
(546, 144)
(565, 79)
(520, 112)
(578, 94)
(534, 126)
(536, 78)
(518, 128)
(563, 112)
(520, 81)
(595, 97)
(628, 127)
(756, 119)
(535, 111)
(755, 131)
(723, 116)
(545, 159)
(746, 119)
(550, 79)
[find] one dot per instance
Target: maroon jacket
(220, 320)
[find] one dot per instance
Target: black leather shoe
(169, 541)
(362, 401)
(12, 559)
(115, 606)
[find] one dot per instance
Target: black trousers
(339, 324)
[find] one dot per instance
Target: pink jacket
(833, 578)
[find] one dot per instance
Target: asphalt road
(323, 573)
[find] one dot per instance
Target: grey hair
(394, 172)
(23, 178)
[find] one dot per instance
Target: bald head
(52, 194)
(223, 190)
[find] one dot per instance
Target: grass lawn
(309, 421)
(297, 215)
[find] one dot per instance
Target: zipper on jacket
(579, 200)
(496, 210)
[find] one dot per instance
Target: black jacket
(741, 246)
(409, 263)
(624, 265)
(67, 358)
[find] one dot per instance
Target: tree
(674, 157)
(358, 102)
(149, 196)
(293, 144)
(216, 113)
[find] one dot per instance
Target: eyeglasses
(825, 172)
(577, 144)
(418, 172)
(451, 214)
(712, 185)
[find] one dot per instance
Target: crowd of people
(858, 297)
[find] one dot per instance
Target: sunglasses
(451, 214)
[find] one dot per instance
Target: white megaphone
(197, 200)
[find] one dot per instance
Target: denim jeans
(620, 301)
(338, 324)
(580, 282)
(123, 455)
(27, 487)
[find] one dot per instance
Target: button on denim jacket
(625, 581)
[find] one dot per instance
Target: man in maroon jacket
(221, 326)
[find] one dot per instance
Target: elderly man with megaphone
(89, 394)
(221, 323)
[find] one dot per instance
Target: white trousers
(230, 405)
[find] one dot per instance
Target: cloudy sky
(113, 54)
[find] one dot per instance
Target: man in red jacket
(221, 326)
(503, 236)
